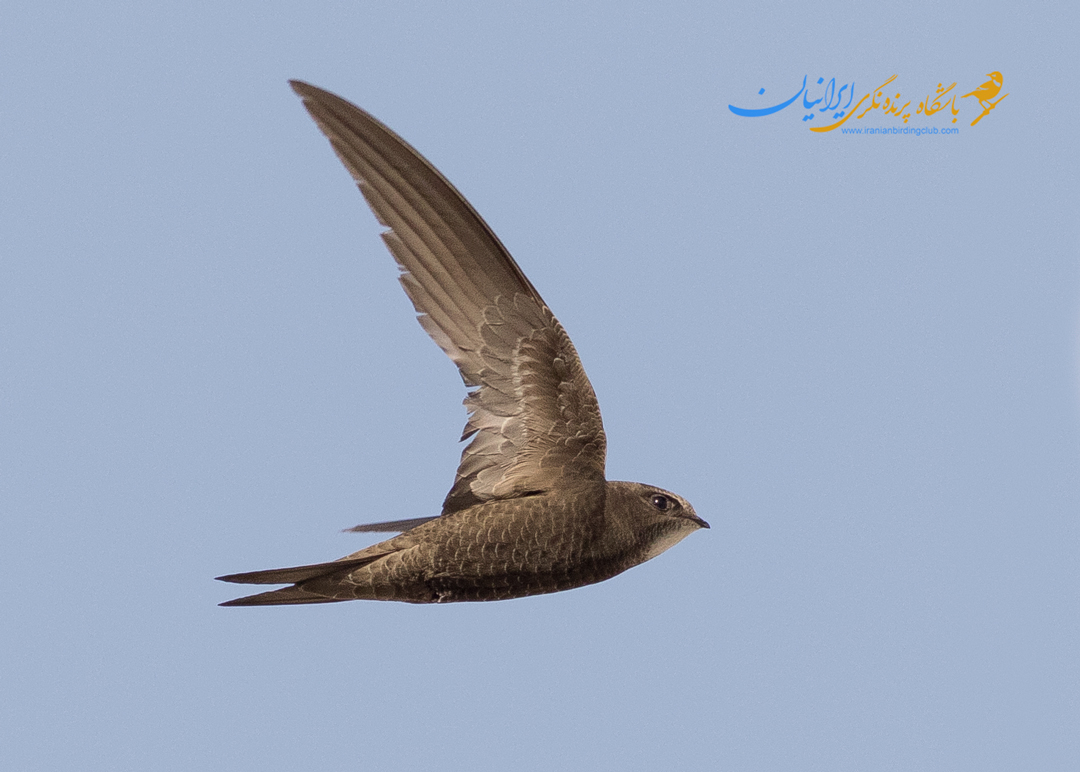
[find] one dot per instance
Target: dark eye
(663, 503)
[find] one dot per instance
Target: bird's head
(659, 519)
(996, 77)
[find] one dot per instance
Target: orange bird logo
(985, 94)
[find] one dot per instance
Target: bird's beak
(700, 523)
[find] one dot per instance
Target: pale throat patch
(667, 540)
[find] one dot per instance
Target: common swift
(530, 510)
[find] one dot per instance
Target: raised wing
(533, 416)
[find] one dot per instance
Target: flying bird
(530, 510)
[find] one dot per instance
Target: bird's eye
(663, 503)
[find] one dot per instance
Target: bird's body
(492, 551)
(530, 511)
(988, 90)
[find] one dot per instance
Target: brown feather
(533, 417)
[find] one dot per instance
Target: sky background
(856, 356)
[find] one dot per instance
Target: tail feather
(286, 596)
(299, 573)
(308, 580)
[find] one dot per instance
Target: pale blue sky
(856, 356)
